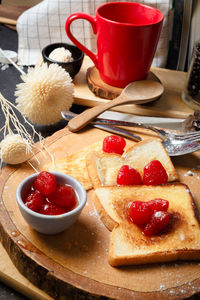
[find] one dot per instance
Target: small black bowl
(71, 67)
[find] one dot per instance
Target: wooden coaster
(104, 90)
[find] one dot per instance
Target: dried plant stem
(11, 118)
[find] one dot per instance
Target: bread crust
(104, 216)
(156, 257)
(92, 169)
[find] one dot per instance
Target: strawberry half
(45, 183)
(128, 176)
(64, 196)
(159, 220)
(154, 173)
(34, 200)
(114, 144)
(140, 213)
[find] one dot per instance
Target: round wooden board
(73, 264)
(104, 90)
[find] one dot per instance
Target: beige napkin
(44, 24)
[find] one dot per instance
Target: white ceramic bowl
(49, 224)
(11, 54)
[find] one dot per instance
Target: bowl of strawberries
(50, 202)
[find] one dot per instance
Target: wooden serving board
(169, 105)
(73, 264)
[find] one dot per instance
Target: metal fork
(162, 133)
(174, 147)
(166, 135)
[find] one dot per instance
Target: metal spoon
(138, 92)
(173, 147)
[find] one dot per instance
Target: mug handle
(90, 19)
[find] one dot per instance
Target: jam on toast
(104, 167)
(180, 240)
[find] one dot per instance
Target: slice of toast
(103, 167)
(128, 245)
(75, 164)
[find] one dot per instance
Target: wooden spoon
(137, 92)
(8, 21)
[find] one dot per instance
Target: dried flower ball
(45, 92)
(14, 149)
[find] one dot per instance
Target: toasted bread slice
(75, 165)
(128, 245)
(103, 167)
(145, 151)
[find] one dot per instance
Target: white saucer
(11, 54)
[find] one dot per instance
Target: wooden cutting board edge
(10, 276)
(79, 289)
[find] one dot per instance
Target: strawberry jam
(151, 216)
(34, 200)
(45, 183)
(128, 176)
(154, 173)
(114, 144)
(157, 223)
(158, 204)
(140, 213)
(48, 197)
(64, 196)
(48, 208)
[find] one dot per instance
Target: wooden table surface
(169, 105)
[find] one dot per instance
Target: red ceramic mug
(127, 36)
